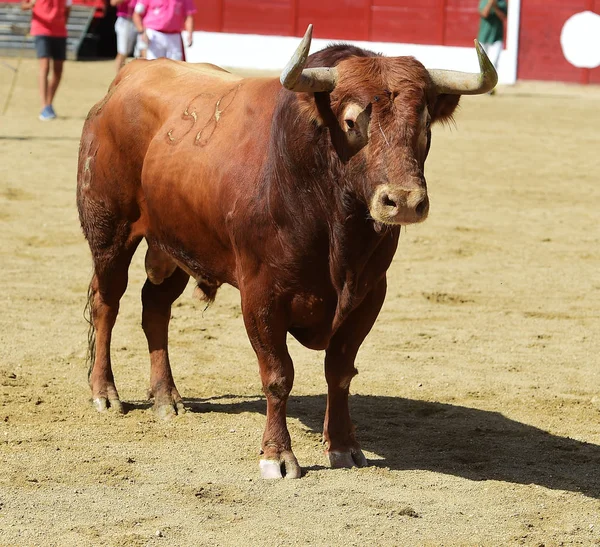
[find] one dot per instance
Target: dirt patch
(477, 401)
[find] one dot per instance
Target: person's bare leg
(57, 71)
(43, 80)
(120, 61)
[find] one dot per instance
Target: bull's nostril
(387, 201)
(421, 207)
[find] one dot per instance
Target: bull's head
(379, 111)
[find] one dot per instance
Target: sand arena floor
(478, 398)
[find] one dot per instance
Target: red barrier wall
(440, 22)
(436, 22)
(540, 53)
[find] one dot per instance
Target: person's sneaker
(47, 113)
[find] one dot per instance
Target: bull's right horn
(453, 82)
(297, 78)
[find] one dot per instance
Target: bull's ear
(444, 107)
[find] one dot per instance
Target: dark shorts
(51, 46)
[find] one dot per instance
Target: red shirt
(48, 18)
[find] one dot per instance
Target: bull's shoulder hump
(162, 70)
(213, 71)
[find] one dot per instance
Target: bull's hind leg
(164, 285)
(338, 431)
(108, 285)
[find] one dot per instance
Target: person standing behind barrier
(491, 28)
(49, 28)
(125, 30)
(161, 26)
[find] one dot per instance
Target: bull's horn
(297, 78)
(466, 83)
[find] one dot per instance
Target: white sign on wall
(580, 40)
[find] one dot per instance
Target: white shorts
(493, 51)
(164, 45)
(126, 35)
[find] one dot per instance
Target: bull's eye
(350, 124)
(376, 98)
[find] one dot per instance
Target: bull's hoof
(102, 404)
(167, 402)
(169, 410)
(272, 469)
(348, 458)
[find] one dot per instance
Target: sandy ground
(477, 402)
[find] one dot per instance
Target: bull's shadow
(455, 440)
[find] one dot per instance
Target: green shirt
(491, 29)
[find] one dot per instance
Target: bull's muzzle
(398, 205)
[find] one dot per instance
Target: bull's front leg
(267, 332)
(338, 430)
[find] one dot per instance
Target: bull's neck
(316, 200)
(322, 213)
(303, 176)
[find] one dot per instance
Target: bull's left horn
(453, 82)
(297, 78)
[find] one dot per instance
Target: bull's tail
(87, 314)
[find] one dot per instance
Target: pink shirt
(48, 18)
(125, 9)
(166, 15)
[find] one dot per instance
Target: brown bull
(295, 195)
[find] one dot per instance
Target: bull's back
(192, 136)
(139, 101)
(119, 128)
